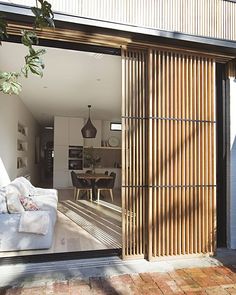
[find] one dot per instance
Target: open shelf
(21, 162)
(75, 158)
(22, 146)
(23, 130)
(103, 147)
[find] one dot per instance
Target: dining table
(93, 177)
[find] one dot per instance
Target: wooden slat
(150, 167)
(168, 154)
(134, 153)
(181, 165)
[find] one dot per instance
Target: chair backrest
(77, 182)
(112, 181)
(74, 178)
(106, 173)
(89, 171)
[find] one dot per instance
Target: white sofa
(11, 239)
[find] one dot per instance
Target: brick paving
(209, 280)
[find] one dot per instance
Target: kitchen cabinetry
(61, 128)
(75, 135)
(67, 133)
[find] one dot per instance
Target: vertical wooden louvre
(168, 158)
(134, 153)
(181, 158)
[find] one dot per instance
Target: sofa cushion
(13, 203)
(21, 186)
(27, 184)
(47, 203)
(28, 204)
(3, 204)
(35, 222)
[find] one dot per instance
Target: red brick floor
(211, 280)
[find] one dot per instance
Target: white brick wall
(232, 200)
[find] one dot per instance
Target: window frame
(119, 123)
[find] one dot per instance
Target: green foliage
(9, 84)
(34, 63)
(43, 15)
(29, 38)
(33, 60)
(3, 28)
(91, 159)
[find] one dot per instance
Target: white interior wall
(107, 133)
(8, 132)
(12, 111)
(232, 200)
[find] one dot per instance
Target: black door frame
(222, 132)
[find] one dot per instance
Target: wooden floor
(70, 237)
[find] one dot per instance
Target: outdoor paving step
(195, 274)
(136, 284)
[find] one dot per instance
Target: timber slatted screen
(134, 172)
(168, 157)
(181, 154)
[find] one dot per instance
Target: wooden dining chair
(80, 185)
(106, 185)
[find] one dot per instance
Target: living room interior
(42, 141)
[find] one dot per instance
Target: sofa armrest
(38, 191)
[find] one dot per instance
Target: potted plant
(91, 160)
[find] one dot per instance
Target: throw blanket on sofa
(36, 222)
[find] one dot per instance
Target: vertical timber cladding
(168, 154)
(181, 155)
(134, 152)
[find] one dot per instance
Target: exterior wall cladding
(208, 18)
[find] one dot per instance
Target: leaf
(36, 11)
(10, 84)
(34, 62)
(29, 38)
(4, 75)
(43, 15)
(9, 75)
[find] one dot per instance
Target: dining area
(94, 207)
(93, 185)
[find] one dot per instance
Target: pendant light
(89, 131)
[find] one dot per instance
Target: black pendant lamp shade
(89, 131)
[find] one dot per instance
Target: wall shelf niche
(75, 156)
(22, 129)
(22, 148)
(21, 162)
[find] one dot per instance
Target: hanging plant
(9, 83)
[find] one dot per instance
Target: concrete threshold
(35, 274)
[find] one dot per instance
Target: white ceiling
(71, 81)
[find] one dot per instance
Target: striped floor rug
(102, 221)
